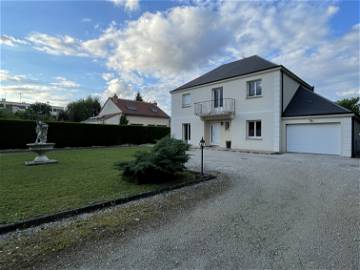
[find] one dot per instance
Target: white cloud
(11, 41)
(60, 92)
(86, 20)
(129, 5)
(5, 75)
(57, 45)
(171, 47)
(349, 93)
(331, 10)
(62, 82)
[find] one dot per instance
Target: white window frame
(255, 136)
(186, 105)
(256, 83)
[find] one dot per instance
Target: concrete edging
(96, 206)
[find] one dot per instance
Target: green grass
(80, 178)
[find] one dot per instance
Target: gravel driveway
(287, 211)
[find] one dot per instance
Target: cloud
(349, 93)
(6, 76)
(129, 5)
(62, 82)
(11, 41)
(161, 50)
(57, 45)
(86, 20)
(59, 92)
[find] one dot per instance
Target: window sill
(251, 97)
(186, 106)
(254, 138)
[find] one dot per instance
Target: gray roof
(241, 67)
(306, 102)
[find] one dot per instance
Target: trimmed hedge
(16, 134)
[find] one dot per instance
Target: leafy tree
(37, 111)
(352, 104)
(123, 120)
(8, 114)
(165, 159)
(138, 97)
(83, 109)
(62, 116)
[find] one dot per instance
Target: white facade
(22, 106)
(110, 115)
(267, 108)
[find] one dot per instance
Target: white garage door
(314, 138)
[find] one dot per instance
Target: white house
(256, 105)
(14, 107)
(136, 112)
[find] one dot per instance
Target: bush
(161, 164)
(17, 133)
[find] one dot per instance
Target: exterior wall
(109, 108)
(266, 108)
(344, 121)
(115, 120)
(356, 137)
(289, 89)
(147, 120)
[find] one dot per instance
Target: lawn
(80, 178)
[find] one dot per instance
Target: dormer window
(131, 108)
(254, 88)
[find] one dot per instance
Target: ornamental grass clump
(161, 164)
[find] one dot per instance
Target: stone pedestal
(40, 149)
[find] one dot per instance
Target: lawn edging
(97, 206)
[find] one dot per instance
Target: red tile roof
(139, 108)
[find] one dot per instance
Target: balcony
(215, 109)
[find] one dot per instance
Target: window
(254, 88)
(254, 129)
(186, 100)
(186, 132)
(131, 108)
(218, 97)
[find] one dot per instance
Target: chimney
(115, 97)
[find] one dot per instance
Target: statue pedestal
(40, 149)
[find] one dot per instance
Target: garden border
(97, 206)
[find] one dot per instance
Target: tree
(123, 120)
(37, 111)
(352, 104)
(138, 97)
(83, 109)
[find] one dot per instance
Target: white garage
(321, 138)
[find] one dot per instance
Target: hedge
(15, 134)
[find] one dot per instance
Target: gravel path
(287, 211)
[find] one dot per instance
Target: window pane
(258, 129)
(251, 129)
(258, 88)
(251, 89)
(186, 100)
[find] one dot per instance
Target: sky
(62, 51)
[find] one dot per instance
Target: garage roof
(306, 102)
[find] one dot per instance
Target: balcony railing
(215, 108)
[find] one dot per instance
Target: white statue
(41, 131)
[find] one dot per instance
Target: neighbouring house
(136, 112)
(256, 105)
(22, 106)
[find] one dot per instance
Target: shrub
(17, 133)
(165, 159)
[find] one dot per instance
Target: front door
(215, 133)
